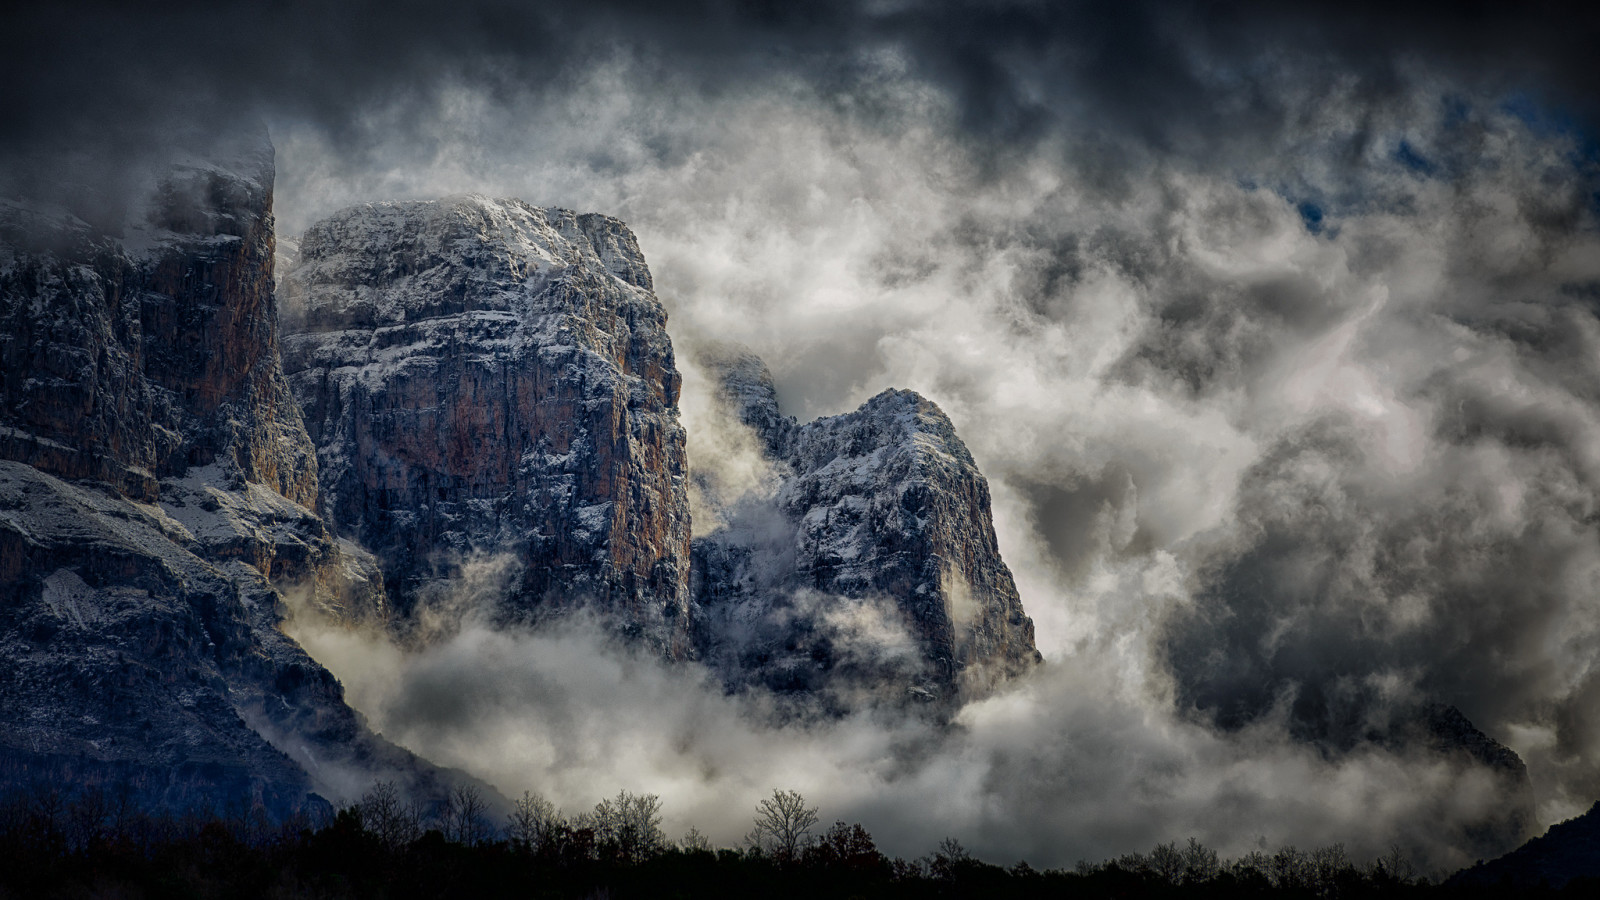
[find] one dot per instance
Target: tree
(532, 821)
(384, 813)
(949, 858)
(695, 842)
(464, 816)
(782, 824)
(1167, 863)
(1395, 866)
(1290, 869)
(847, 847)
(1200, 863)
(629, 826)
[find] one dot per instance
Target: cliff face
(155, 493)
(869, 565)
(1444, 730)
(487, 378)
(131, 359)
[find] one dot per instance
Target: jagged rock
(1445, 730)
(131, 358)
(155, 492)
(487, 378)
(869, 565)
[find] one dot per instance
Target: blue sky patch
(1408, 156)
(1311, 214)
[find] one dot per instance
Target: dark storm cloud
(1180, 76)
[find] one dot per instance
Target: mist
(1275, 334)
(1046, 771)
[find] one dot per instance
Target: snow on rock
(876, 538)
(485, 377)
(157, 493)
(129, 357)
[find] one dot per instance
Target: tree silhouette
(532, 821)
(395, 821)
(629, 826)
(464, 816)
(782, 824)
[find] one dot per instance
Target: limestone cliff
(486, 378)
(869, 565)
(156, 485)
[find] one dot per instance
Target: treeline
(96, 845)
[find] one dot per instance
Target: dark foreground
(94, 846)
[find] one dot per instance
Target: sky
(1275, 334)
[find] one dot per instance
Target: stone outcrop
(133, 358)
(868, 564)
(1446, 731)
(486, 379)
(156, 499)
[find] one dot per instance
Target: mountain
(493, 396)
(157, 488)
(468, 403)
(1570, 850)
(470, 400)
(490, 381)
(1447, 732)
(867, 565)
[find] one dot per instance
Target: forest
(97, 844)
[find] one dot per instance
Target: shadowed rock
(156, 494)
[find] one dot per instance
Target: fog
(1275, 335)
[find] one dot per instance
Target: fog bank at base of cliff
(1045, 771)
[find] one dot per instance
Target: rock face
(1446, 731)
(489, 380)
(868, 564)
(155, 495)
(127, 361)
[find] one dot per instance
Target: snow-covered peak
(400, 261)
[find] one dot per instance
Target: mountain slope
(1569, 850)
(156, 485)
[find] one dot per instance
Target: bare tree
(1396, 865)
(695, 842)
(1290, 869)
(1328, 865)
(948, 858)
(1200, 863)
(630, 825)
(384, 812)
(783, 824)
(532, 821)
(1167, 863)
(464, 816)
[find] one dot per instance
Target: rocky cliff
(868, 564)
(490, 380)
(156, 485)
(1446, 731)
